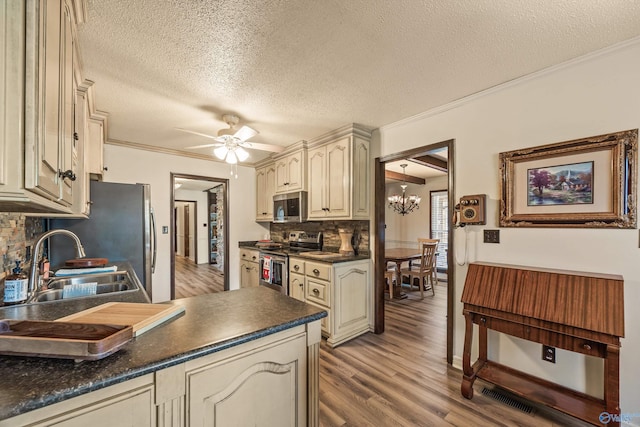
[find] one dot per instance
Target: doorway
(421, 154)
(203, 236)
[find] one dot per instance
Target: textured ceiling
(296, 69)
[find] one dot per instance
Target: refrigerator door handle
(155, 245)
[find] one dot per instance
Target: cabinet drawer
(318, 291)
(318, 270)
(249, 255)
(296, 265)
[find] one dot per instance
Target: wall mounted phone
(471, 210)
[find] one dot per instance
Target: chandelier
(401, 203)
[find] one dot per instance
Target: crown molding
(354, 129)
(170, 151)
(515, 82)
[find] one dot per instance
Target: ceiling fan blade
(245, 132)
(218, 144)
(263, 147)
(197, 133)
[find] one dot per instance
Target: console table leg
(612, 381)
(469, 375)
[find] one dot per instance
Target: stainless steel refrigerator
(120, 227)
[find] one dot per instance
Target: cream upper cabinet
(265, 189)
(41, 152)
(339, 175)
(290, 172)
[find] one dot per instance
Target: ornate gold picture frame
(588, 182)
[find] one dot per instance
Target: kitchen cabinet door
(317, 183)
(267, 387)
(296, 286)
(338, 183)
(290, 172)
(265, 189)
(127, 404)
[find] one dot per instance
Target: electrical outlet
(165, 229)
(492, 236)
(549, 353)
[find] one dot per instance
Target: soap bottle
(15, 286)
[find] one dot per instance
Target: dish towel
(266, 269)
(78, 271)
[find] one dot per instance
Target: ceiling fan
(231, 143)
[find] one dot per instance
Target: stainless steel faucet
(37, 248)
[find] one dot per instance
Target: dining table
(398, 256)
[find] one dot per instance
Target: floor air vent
(501, 396)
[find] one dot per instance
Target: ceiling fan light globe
(242, 154)
(232, 159)
(221, 152)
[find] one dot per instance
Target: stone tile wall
(360, 240)
(17, 232)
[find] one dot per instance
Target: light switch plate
(492, 236)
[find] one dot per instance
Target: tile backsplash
(17, 232)
(360, 240)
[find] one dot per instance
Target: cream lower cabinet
(249, 268)
(128, 404)
(343, 290)
(265, 387)
(270, 381)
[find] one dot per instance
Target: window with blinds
(440, 225)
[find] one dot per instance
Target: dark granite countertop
(335, 257)
(210, 323)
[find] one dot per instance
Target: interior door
(187, 227)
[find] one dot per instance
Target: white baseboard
(457, 362)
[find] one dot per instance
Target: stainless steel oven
(274, 271)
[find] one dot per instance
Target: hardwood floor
(196, 279)
(401, 378)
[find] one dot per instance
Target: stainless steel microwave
(290, 207)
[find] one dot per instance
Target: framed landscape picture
(589, 182)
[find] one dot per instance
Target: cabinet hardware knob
(75, 136)
(316, 271)
(316, 292)
(483, 320)
(67, 174)
(586, 347)
(296, 267)
(253, 257)
(302, 284)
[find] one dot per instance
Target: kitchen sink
(107, 283)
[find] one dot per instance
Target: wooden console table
(575, 311)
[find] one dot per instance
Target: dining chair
(435, 257)
(389, 276)
(425, 269)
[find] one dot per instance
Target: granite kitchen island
(245, 357)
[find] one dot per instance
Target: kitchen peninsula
(242, 357)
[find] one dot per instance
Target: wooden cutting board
(139, 315)
(66, 340)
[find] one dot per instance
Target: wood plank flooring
(196, 279)
(401, 378)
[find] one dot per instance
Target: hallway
(196, 279)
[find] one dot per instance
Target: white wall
(403, 231)
(200, 223)
(128, 165)
(595, 95)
